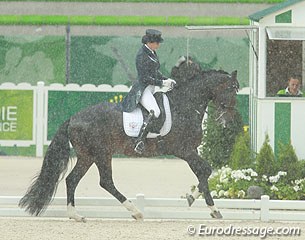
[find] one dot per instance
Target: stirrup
(139, 148)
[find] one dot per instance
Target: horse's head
(223, 88)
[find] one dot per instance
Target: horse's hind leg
(106, 181)
(79, 170)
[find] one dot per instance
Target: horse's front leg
(202, 170)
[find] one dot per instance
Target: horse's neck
(185, 109)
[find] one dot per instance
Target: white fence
(169, 208)
(40, 108)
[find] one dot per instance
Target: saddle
(133, 121)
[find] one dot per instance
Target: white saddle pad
(133, 121)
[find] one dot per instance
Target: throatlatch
(140, 145)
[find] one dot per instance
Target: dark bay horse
(96, 133)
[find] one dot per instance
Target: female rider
(149, 76)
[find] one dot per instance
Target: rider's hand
(169, 83)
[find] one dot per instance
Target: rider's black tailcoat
(148, 65)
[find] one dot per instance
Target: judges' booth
(279, 51)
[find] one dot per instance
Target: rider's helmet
(152, 35)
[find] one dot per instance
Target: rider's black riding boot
(140, 145)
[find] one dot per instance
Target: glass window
(284, 59)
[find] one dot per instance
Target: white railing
(168, 208)
(40, 108)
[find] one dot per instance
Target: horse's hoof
(216, 214)
(79, 219)
(138, 216)
(190, 199)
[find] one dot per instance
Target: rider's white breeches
(148, 100)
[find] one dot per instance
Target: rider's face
(153, 45)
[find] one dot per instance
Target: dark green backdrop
(110, 60)
(63, 104)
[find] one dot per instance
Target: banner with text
(16, 114)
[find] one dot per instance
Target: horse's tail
(54, 165)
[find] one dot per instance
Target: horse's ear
(234, 74)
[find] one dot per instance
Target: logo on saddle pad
(133, 121)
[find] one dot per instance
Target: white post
(265, 208)
(262, 62)
(140, 202)
(39, 119)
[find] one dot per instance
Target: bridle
(223, 107)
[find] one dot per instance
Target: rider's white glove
(169, 83)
